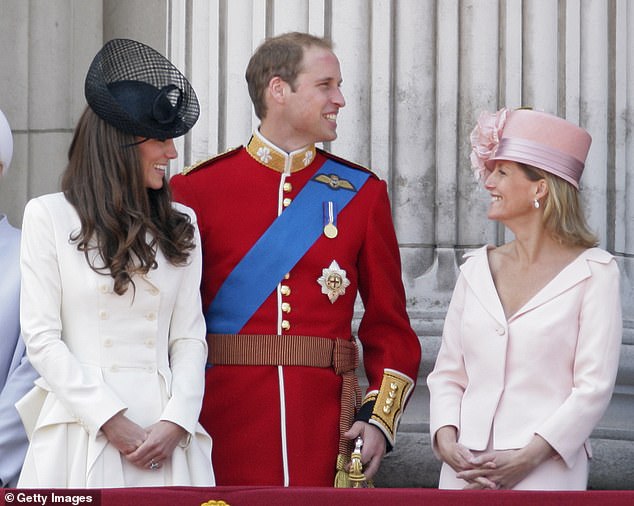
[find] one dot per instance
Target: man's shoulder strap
(206, 162)
(346, 163)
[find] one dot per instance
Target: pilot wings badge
(335, 182)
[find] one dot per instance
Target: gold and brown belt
(289, 350)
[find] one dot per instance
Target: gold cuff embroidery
(390, 402)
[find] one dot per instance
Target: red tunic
(280, 425)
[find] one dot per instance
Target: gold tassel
(342, 478)
(355, 477)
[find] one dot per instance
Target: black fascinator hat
(137, 90)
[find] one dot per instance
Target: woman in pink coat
(531, 340)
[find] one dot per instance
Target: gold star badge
(333, 281)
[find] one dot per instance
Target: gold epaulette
(346, 162)
(208, 161)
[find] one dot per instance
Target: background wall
(416, 74)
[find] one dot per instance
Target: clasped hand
(494, 469)
(497, 469)
(143, 447)
(470, 468)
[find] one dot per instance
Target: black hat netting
(137, 90)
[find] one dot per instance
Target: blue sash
(283, 244)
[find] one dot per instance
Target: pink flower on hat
(485, 138)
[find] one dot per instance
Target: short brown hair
(279, 56)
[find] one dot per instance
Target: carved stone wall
(416, 74)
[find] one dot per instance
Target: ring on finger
(154, 465)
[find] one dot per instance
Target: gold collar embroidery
(277, 159)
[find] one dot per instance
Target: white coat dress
(549, 369)
(99, 353)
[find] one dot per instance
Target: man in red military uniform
(290, 234)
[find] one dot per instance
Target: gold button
(288, 187)
(286, 290)
(149, 343)
(104, 288)
(151, 316)
(286, 307)
(287, 202)
(287, 275)
(107, 343)
(286, 324)
(103, 315)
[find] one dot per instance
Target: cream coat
(548, 370)
(99, 353)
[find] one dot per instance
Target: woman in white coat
(111, 312)
(531, 341)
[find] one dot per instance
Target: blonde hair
(563, 215)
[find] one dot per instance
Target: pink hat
(531, 137)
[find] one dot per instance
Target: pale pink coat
(549, 369)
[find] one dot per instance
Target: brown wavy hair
(104, 182)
